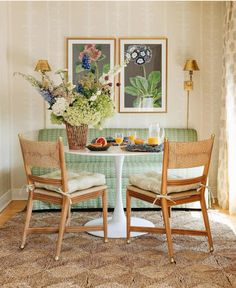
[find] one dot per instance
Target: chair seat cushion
(173, 196)
(151, 181)
(76, 181)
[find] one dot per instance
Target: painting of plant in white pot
(143, 82)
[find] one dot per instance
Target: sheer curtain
(227, 143)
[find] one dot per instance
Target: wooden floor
(19, 205)
(11, 210)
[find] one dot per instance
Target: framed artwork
(101, 52)
(144, 79)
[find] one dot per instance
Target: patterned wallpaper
(194, 29)
(5, 120)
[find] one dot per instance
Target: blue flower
(47, 96)
(86, 62)
(79, 88)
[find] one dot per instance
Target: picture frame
(143, 82)
(103, 56)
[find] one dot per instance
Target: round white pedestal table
(116, 223)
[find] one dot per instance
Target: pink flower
(91, 51)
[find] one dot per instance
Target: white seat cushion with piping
(76, 181)
(151, 181)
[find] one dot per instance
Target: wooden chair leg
(169, 211)
(206, 222)
(166, 219)
(27, 219)
(62, 225)
(128, 216)
(104, 213)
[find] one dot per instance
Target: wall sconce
(42, 66)
(190, 65)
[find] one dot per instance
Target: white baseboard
(19, 194)
(5, 199)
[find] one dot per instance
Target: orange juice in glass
(154, 130)
(152, 140)
(119, 138)
(132, 136)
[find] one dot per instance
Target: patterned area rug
(88, 262)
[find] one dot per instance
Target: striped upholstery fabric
(105, 165)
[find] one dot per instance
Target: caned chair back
(178, 155)
(189, 154)
(44, 155)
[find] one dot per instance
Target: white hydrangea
(60, 106)
(93, 97)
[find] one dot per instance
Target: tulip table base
(116, 223)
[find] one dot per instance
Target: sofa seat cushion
(76, 181)
(151, 181)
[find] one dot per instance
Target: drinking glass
(119, 137)
(161, 136)
(154, 130)
(132, 136)
(153, 140)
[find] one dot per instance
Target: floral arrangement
(87, 103)
(146, 85)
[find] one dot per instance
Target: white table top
(112, 151)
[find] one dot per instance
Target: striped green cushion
(173, 134)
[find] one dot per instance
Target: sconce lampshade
(191, 65)
(42, 66)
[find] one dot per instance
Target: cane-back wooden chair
(166, 192)
(58, 187)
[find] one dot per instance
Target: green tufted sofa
(106, 165)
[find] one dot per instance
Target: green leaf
(106, 68)
(153, 79)
(79, 69)
(102, 57)
(157, 93)
(134, 83)
(132, 91)
(142, 84)
(56, 119)
(157, 98)
(157, 104)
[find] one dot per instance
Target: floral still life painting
(143, 82)
(89, 58)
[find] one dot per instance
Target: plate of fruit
(111, 140)
(99, 144)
